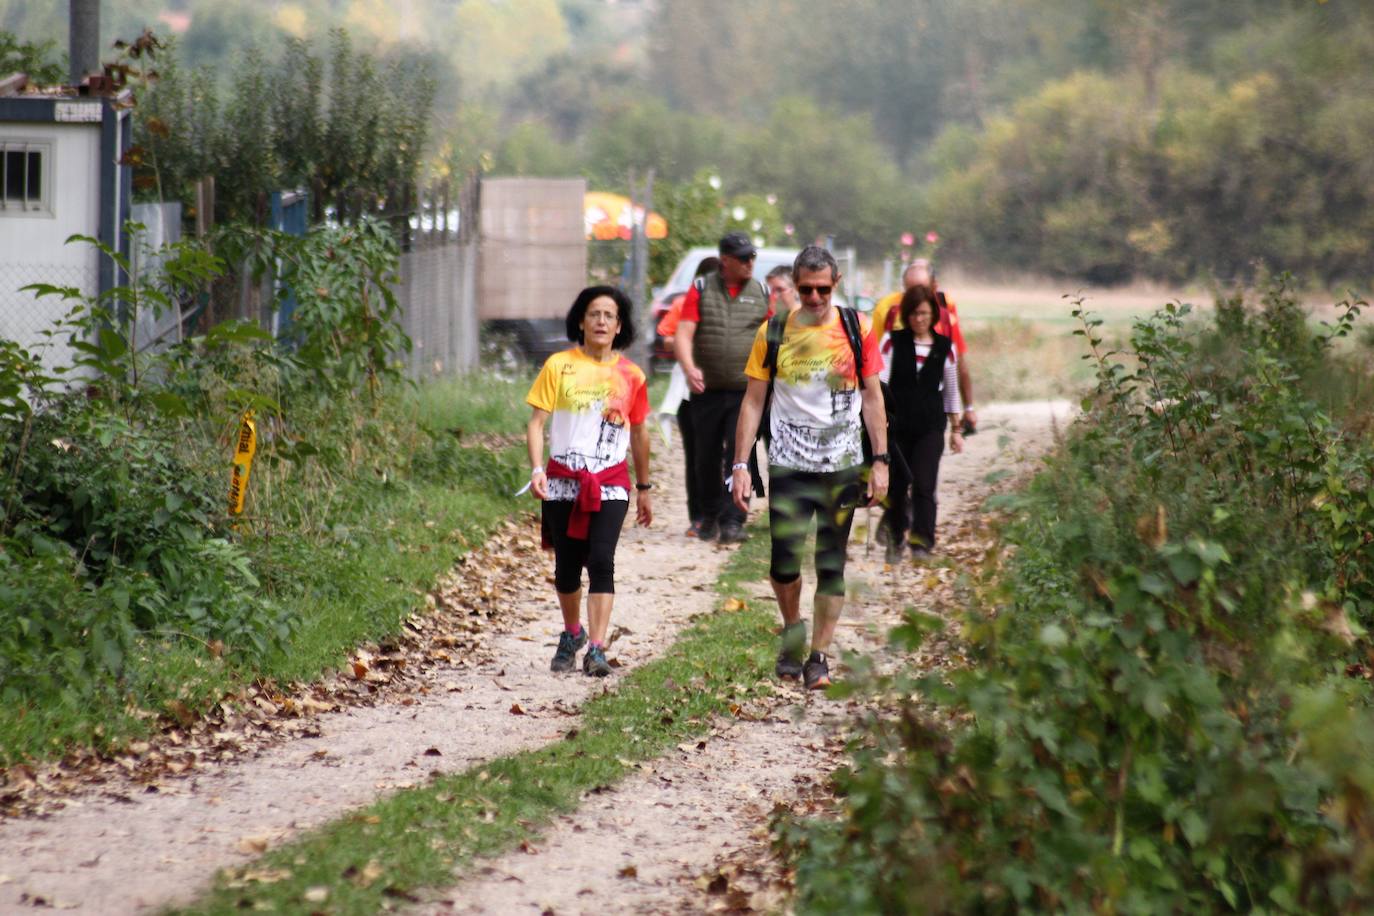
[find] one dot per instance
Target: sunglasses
(818, 290)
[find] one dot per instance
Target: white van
(681, 280)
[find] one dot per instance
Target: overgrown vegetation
(349, 126)
(1101, 140)
(125, 581)
(1167, 708)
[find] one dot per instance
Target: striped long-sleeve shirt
(949, 383)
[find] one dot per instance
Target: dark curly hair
(624, 311)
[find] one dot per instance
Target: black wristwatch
(884, 457)
(644, 486)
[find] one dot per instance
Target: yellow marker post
(244, 449)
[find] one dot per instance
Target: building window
(24, 178)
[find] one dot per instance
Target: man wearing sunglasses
(821, 366)
(719, 317)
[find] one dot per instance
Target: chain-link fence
(28, 319)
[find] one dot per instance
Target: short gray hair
(782, 270)
(814, 257)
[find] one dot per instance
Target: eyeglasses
(742, 257)
(818, 290)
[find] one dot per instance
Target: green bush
(1157, 718)
(114, 531)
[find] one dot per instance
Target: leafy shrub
(114, 528)
(1157, 719)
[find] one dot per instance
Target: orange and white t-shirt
(817, 398)
(592, 407)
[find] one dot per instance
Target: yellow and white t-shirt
(817, 401)
(592, 407)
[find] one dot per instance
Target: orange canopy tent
(609, 216)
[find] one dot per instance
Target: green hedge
(1157, 717)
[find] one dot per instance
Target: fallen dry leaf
(629, 871)
(254, 845)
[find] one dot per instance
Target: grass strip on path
(381, 856)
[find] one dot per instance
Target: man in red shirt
(720, 316)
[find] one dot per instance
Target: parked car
(681, 280)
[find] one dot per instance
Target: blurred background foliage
(1097, 140)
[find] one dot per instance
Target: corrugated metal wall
(533, 247)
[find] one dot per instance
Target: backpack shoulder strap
(777, 325)
(852, 330)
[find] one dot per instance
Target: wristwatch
(884, 457)
(644, 486)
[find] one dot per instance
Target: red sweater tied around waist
(588, 491)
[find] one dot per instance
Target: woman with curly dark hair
(594, 402)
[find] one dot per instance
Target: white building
(60, 175)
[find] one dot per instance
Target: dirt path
(132, 844)
(138, 844)
(655, 842)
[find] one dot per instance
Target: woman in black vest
(923, 385)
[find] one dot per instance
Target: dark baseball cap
(737, 245)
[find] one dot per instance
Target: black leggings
(912, 505)
(794, 496)
(596, 553)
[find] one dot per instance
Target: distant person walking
(923, 384)
(678, 400)
(782, 294)
(821, 364)
(887, 318)
(719, 318)
(594, 402)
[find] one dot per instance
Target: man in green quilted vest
(720, 317)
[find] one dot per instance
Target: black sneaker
(732, 534)
(789, 666)
(568, 645)
(702, 530)
(892, 553)
(816, 671)
(919, 553)
(594, 662)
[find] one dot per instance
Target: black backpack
(777, 326)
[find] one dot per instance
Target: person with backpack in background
(919, 370)
(819, 367)
(719, 317)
